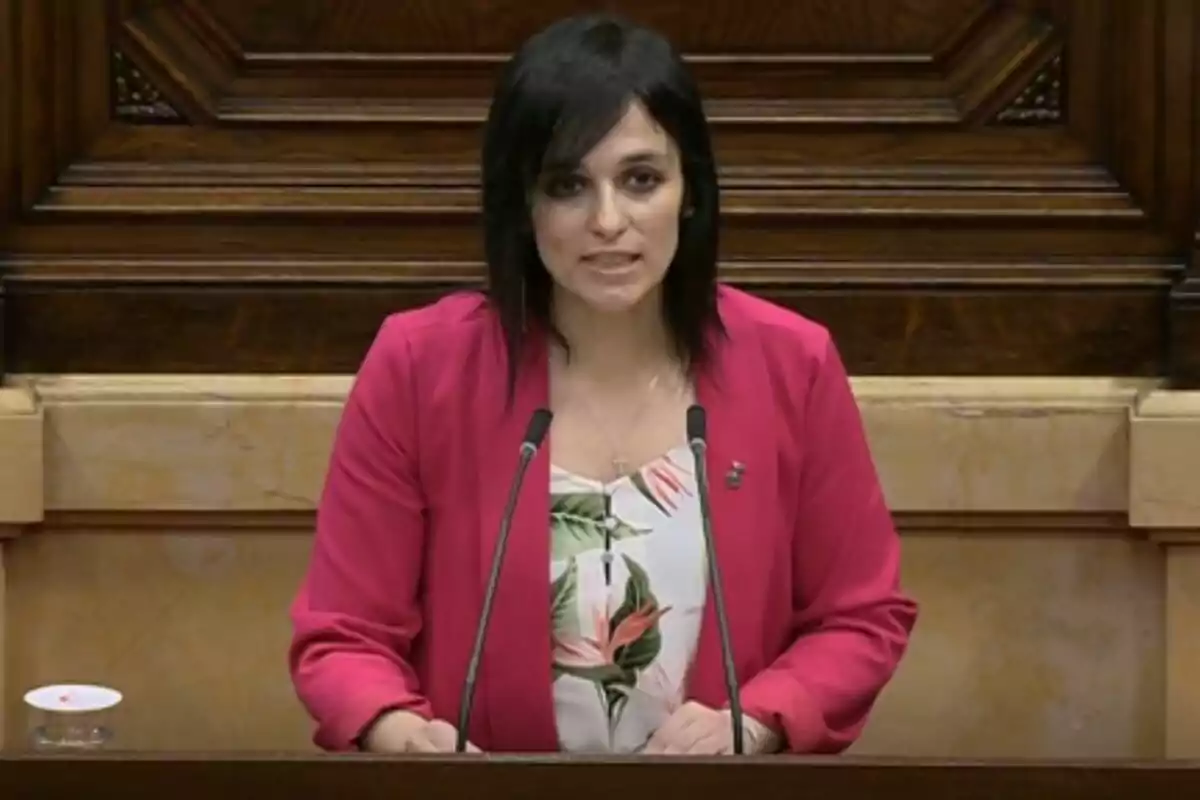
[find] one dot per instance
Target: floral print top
(628, 584)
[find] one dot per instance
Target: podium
(363, 777)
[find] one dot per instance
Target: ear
(686, 208)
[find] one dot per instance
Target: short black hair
(563, 90)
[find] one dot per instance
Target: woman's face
(608, 231)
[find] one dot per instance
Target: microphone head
(695, 424)
(539, 423)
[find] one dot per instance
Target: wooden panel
(1185, 330)
(1180, 168)
(864, 26)
(8, 107)
(953, 186)
(268, 327)
(8, 147)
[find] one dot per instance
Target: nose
(608, 217)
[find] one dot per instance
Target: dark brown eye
(563, 186)
(643, 180)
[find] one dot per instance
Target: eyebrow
(638, 157)
(642, 156)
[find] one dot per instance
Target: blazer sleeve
(850, 619)
(358, 609)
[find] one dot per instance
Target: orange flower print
(624, 644)
(662, 483)
(581, 653)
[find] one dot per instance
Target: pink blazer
(408, 519)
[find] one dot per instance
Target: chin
(615, 299)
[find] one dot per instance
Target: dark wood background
(955, 187)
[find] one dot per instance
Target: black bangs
(557, 141)
(582, 124)
(571, 84)
(561, 93)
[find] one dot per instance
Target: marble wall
(157, 527)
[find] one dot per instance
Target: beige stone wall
(158, 527)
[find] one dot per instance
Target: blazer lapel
(515, 676)
(741, 474)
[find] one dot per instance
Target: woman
(600, 205)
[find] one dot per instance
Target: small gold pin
(733, 478)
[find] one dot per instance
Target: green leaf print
(577, 524)
(624, 644)
(564, 619)
(639, 601)
(616, 694)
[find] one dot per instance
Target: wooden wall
(956, 187)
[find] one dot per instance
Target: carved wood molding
(236, 85)
(466, 273)
(1043, 101)
(970, 244)
(985, 195)
(134, 97)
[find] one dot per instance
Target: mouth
(611, 260)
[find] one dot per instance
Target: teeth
(611, 261)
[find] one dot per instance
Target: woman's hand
(406, 732)
(697, 730)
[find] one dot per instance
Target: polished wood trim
(164, 522)
(502, 777)
(1003, 523)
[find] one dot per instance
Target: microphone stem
(698, 448)
(489, 596)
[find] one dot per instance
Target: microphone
(698, 443)
(535, 432)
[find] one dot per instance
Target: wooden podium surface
(314, 777)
